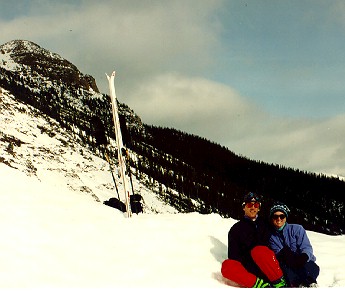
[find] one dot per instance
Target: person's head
(251, 205)
(278, 214)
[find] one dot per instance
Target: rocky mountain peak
(15, 46)
(29, 58)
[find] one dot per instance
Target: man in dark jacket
(250, 262)
(293, 249)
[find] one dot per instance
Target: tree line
(205, 171)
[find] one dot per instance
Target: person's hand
(291, 259)
(284, 254)
(300, 260)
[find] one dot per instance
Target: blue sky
(262, 77)
(299, 58)
(286, 55)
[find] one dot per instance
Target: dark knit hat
(279, 206)
(251, 197)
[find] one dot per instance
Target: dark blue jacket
(243, 236)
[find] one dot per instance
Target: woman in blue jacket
(293, 250)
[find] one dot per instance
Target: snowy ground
(54, 237)
(56, 233)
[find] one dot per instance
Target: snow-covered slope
(37, 146)
(55, 237)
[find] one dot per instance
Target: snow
(56, 233)
(53, 237)
(7, 62)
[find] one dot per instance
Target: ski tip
(112, 75)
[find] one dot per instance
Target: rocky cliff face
(57, 88)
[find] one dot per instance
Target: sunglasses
(276, 216)
(250, 204)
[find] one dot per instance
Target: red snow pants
(263, 257)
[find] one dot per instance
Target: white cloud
(311, 145)
(196, 103)
(137, 38)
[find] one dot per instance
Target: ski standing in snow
(119, 142)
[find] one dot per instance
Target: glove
(291, 259)
(300, 260)
(285, 256)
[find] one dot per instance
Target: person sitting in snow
(292, 247)
(250, 262)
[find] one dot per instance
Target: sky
(261, 77)
(56, 234)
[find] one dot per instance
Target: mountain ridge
(31, 55)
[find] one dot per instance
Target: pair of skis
(120, 148)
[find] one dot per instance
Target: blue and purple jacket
(295, 237)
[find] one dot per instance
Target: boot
(281, 283)
(261, 284)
